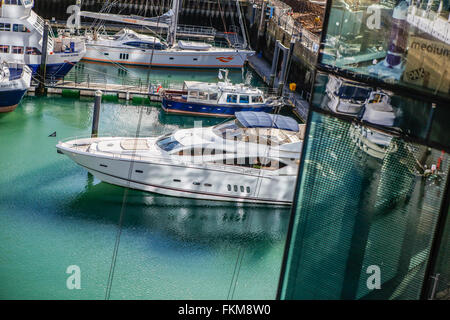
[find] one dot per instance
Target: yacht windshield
(168, 143)
(353, 92)
(229, 126)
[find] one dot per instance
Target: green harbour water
(54, 215)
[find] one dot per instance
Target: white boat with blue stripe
(221, 99)
(15, 80)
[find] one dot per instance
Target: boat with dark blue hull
(222, 99)
(15, 80)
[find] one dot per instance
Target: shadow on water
(186, 220)
(188, 121)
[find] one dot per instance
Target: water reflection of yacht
(253, 158)
(346, 97)
(21, 35)
(186, 219)
(378, 111)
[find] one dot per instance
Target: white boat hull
(196, 181)
(214, 58)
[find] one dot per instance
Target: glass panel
(392, 41)
(440, 275)
(366, 214)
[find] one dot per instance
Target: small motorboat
(221, 99)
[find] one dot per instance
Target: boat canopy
(191, 45)
(127, 35)
(251, 119)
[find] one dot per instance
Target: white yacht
(253, 158)
(346, 97)
(21, 36)
(131, 48)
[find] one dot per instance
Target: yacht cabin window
(193, 94)
(5, 27)
(145, 45)
(222, 129)
(168, 143)
(244, 99)
(4, 49)
(203, 95)
(213, 96)
(17, 50)
(257, 99)
(20, 28)
(232, 98)
(32, 51)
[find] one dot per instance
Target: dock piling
(261, 27)
(96, 116)
(41, 89)
(287, 56)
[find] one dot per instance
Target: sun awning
(251, 119)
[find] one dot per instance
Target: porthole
(235, 188)
(229, 187)
(242, 189)
(196, 183)
(248, 189)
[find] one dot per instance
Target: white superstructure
(21, 37)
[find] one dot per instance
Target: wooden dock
(126, 92)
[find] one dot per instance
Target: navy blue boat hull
(54, 71)
(10, 99)
(209, 110)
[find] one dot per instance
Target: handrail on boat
(135, 157)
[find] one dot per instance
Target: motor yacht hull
(194, 181)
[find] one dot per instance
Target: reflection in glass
(378, 107)
(356, 211)
(391, 41)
